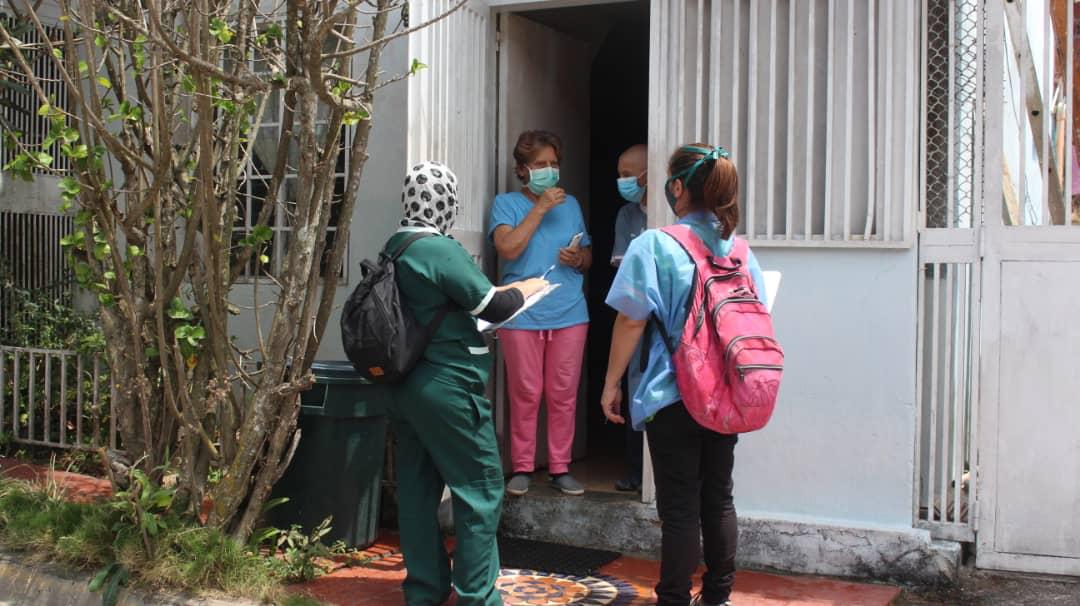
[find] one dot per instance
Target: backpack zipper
(743, 368)
(727, 350)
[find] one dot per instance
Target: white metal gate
(999, 254)
(1029, 514)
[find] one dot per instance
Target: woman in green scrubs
(442, 420)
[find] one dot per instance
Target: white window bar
(808, 194)
(773, 118)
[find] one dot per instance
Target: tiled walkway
(624, 582)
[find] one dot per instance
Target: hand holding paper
(485, 326)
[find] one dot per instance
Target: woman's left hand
(571, 257)
(611, 402)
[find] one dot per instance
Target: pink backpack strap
(695, 246)
(691, 243)
(740, 250)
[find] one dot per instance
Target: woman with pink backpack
(711, 366)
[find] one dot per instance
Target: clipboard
(772, 286)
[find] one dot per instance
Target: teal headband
(706, 155)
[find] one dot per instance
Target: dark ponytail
(714, 186)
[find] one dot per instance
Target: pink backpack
(728, 363)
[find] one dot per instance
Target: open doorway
(614, 37)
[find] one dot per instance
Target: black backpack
(381, 337)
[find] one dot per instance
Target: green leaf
(417, 65)
(100, 41)
(101, 251)
(220, 30)
(272, 503)
(112, 592)
(106, 299)
(44, 109)
(103, 575)
(70, 186)
(177, 310)
(354, 118)
(133, 251)
(103, 81)
(187, 83)
(76, 152)
(109, 275)
(264, 259)
(84, 68)
(42, 158)
(151, 352)
(59, 54)
(262, 233)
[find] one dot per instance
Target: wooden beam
(1010, 211)
(1033, 103)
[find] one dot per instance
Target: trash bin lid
(334, 372)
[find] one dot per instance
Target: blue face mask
(630, 190)
(542, 179)
(688, 174)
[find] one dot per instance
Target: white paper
(485, 326)
(772, 285)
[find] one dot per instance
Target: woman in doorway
(539, 231)
(442, 420)
(692, 466)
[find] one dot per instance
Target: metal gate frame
(1054, 237)
(949, 270)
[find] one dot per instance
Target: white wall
(840, 445)
(377, 212)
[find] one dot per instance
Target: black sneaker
(628, 484)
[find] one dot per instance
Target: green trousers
(445, 436)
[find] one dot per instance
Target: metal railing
(56, 398)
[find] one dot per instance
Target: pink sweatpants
(543, 363)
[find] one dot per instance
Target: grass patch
(115, 538)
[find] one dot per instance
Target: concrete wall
(41, 195)
(840, 447)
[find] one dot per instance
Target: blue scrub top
(655, 278)
(565, 306)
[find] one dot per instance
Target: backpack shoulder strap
(408, 242)
(740, 250)
(689, 241)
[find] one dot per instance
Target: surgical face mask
(671, 199)
(630, 190)
(542, 179)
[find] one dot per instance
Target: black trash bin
(338, 466)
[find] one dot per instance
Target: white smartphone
(576, 240)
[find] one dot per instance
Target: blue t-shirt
(565, 306)
(654, 278)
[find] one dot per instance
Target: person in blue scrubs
(539, 231)
(630, 222)
(692, 465)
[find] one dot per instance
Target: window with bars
(818, 102)
(21, 124)
(253, 189)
